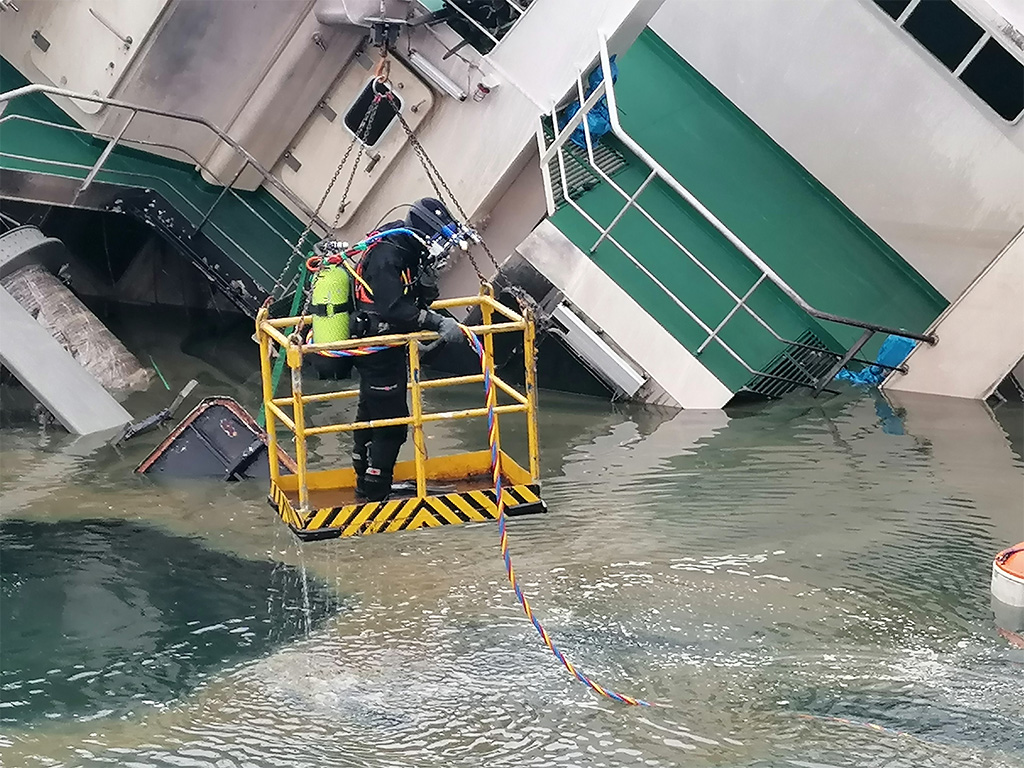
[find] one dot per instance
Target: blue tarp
(597, 118)
(893, 352)
(890, 419)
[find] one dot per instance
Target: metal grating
(579, 175)
(800, 362)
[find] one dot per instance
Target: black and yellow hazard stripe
(405, 514)
(279, 501)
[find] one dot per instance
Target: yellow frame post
(530, 364)
(299, 512)
(268, 394)
(487, 316)
(417, 418)
(299, 417)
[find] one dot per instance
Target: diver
(395, 284)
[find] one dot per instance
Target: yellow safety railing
(269, 334)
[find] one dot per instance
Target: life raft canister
(331, 303)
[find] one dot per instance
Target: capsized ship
(695, 218)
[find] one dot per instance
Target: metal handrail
(740, 302)
(554, 153)
(664, 288)
(631, 201)
(270, 333)
(729, 235)
(184, 117)
(151, 178)
(205, 216)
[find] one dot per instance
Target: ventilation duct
(360, 13)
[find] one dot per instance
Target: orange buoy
(1010, 563)
(1008, 593)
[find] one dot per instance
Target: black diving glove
(447, 329)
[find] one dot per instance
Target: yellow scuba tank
(331, 303)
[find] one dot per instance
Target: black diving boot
(375, 485)
(359, 463)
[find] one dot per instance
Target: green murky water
(804, 584)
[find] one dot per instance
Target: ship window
(972, 53)
(998, 78)
(893, 8)
(483, 23)
(944, 29)
(370, 130)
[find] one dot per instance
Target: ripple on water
(105, 617)
(806, 587)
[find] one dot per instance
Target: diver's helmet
(432, 221)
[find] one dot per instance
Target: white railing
(113, 140)
(555, 153)
(134, 110)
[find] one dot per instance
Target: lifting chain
(380, 78)
(383, 70)
(437, 182)
(367, 121)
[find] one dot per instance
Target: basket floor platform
(460, 491)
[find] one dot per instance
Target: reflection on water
(804, 584)
(102, 617)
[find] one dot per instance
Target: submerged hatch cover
(217, 439)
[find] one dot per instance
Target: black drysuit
(400, 290)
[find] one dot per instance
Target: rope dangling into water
(495, 449)
(493, 442)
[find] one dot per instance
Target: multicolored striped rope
(357, 352)
(493, 442)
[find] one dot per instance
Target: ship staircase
(240, 240)
(713, 236)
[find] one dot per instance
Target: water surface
(804, 584)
